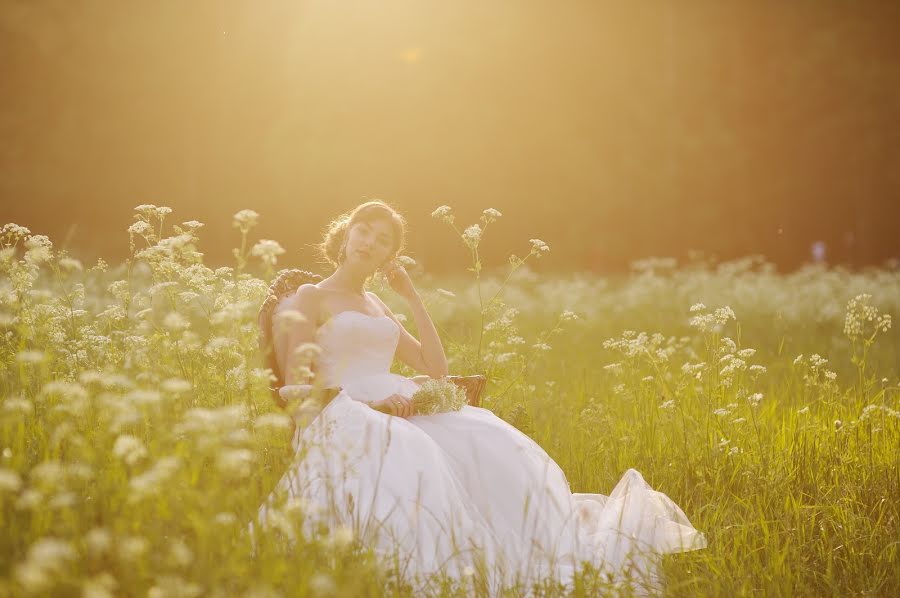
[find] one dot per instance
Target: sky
(613, 131)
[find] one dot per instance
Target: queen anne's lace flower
(472, 236)
(245, 220)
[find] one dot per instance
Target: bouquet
(435, 395)
(438, 396)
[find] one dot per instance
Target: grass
(136, 444)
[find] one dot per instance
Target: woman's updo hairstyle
(334, 243)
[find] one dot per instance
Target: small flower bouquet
(438, 395)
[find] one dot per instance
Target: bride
(459, 493)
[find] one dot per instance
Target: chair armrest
(473, 385)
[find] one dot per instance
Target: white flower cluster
(490, 215)
(538, 248)
(862, 318)
(267, 251)
(472, 236)
(815, 374)
(443, 213)
(710, 322)
(245, 220)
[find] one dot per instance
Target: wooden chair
(285, 284)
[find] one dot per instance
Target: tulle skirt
(466, 493)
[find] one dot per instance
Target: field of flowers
(138, 435)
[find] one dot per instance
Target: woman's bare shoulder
(306, 300)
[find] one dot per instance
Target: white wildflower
(490, 215)
(472, 236)
(10, 481)
(267, 251)
(443, 212)
(538, 247)
(129, 449)
(245, 220)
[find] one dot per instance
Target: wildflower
(803, 411)
(192, 224)
(146, 209)
(468, 571)
(30, 356)
(443, 212)
(38, 249)
(837, 424)
(538, 247)
(98, 541)
(102, 585)
(179, 552)
(132, 548)
(341, 537)
(176, 385)
(755, 399)
(245, 220)
(322, 584)
(267, 251)
(723, 314)
(568, 315)
(738, 420)
(284, 320)
(668, 405)
(175, 321)
(70, 264)
(141, 227)
(225, 518)
(438, 396)
(886, 411)
(490, 215)
(472, 236)
(697, 307)
(14, 232)
(10, 481)
(273, 421)
(129, 449)
(151, 481)
(541, 346)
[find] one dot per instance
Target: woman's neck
(348, 281)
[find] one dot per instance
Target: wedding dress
(459, 492)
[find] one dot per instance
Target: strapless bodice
(355, 345)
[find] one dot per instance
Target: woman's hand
(399, 279)
(395, 405)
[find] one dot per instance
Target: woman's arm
(295, 324)
(426, 356)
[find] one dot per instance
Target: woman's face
(370, 244)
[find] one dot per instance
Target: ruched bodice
(355, 345)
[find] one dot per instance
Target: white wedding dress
(459, 492)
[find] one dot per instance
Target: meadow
(138, 434)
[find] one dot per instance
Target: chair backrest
(285, 284)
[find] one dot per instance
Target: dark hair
(332, 245)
